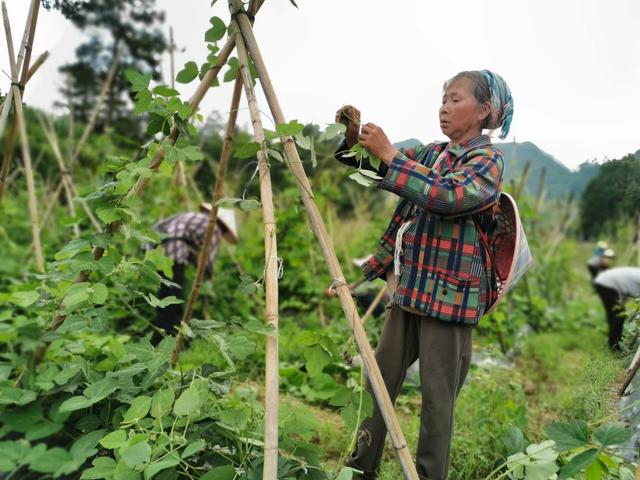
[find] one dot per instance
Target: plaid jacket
(445, 272)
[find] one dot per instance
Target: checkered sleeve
(471, 187)
(378, 264)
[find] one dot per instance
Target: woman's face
(461, 115)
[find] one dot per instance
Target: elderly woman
(434, 256)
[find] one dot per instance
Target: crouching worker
(184, 235)
(601, 259)
(615, 286)
(434, 256)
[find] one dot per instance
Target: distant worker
(614, 286)
(184, 235)
(602, 259)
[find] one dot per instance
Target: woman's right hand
(349, 116)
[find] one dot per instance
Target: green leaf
(341, 398)
(217, 31)
(101, 389)
(317, 358)
(303, 142)
(50, 460)
(232, 73)
(514, 440)
(241, 347)
(170, 461)
(612, 434)
(362, 179)
(249, 204)
(103, 467)
(332, 131)
(137, 80)
(157, 123)
(345, 473)
(17, 396)
(143, 102)
(165, 91)
(597, 471)
(578, 463)
(247, 150)
(124, 472)
(188, 403)
(138, 409)
(193, 448)
(114, 440)
(225, 472)
(84, 447)
(75, 403)
(228, 202)
(24, 299)
(161, 302)
(292, 128)
(370, 174)
(99, 294)
(136, 455)
(275, 154)
(625, 474)
(568, 436)
(188, 73)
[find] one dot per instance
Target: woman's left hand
(373, 138)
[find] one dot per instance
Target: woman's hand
(349, 116)
(373, 138)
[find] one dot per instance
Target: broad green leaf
(612, 434)
(24, 299)
(102, 388)
(161, 302)
(248, 150)
(193, 448)
(232, 73)
(138, 409)
(170, 461)
(578, 463)
(75, 403)
(137, 80)
(103, 467)
(228, 202)
(84, 447)
(568, 436)
(341, 398)
(625, 474)
(345, 473)
(249, 204)
(317, 358)
(136, 455)
(50, 460)
(188, 73)
(217, 31)
(362, 179)
(234, 417)
(332, 131)
(514, 440)
(43, 430)
(124, 472)
(99, 294)
(143, 102)
(303, 142)
(275, 154)
(188, 403)
(108, 214)
(597, 471)
(17, 396)
(162, 402)
(292, 128)
(165, 91)
(224, 472)
(72, 248)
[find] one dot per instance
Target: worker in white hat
(602, 259)
(183, 237)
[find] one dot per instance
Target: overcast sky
(573, 65)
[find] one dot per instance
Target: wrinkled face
(461, 115)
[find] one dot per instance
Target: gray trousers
(444, 353)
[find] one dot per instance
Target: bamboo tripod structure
(21, 125)
(339, 283)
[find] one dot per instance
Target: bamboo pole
(374, 304)
(37, 64)
(179, 176)
(71, 131)
(270, 467)
(22, 63)
(540, 194)
(213, 217)
(24, 143)
(49, 133)
(348, 305)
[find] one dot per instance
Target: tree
(611, 196)
(129, 25)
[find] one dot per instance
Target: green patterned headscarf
(501, 103)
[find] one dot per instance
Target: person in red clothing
(433, 258)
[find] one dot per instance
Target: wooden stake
(24, 143)
(523, 180)
(540, 194)
(36, 65)
(213, 217)
(339, 283)
(179, 177)
(272, 363)
(631, 372)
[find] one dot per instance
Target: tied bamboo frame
(22, 131)
(348, 305)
